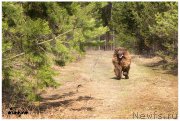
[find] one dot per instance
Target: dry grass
(89, 90)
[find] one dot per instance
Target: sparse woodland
(38, 35)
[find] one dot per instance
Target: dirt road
(88, 90)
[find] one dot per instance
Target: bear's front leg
(126, 72)
(120, 72)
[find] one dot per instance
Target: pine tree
(37, 35)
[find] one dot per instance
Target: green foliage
(46, 74)
(27, 55)
(34, 28)
(166, 28)
(62, 53)
(95, 43)
(147, 27)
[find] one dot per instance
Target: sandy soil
(89, 90)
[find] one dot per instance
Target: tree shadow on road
(156, 64)
(115, 78)
(83, 108)
(163, 65)
(59, 101)
(56, 96)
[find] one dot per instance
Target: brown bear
(121, 61)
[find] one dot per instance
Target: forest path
(89, 90)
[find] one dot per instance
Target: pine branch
(15, 56)
(55, 37)
(38, 44)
